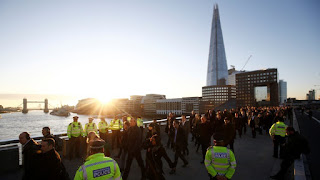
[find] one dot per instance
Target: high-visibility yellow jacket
(75, 130)
(90, 127)
(98, 167)
(220, 161)
(116, 124)
(278, 128)
(103, 127)
(139, 122)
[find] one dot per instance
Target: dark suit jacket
(30, 160)
(134, 139)
(180, 142)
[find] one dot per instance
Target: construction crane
(246, 62)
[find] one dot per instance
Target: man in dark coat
(179, 143)
(205, 134)
(30, 148)
(294, 146)
(186, 128)
(229, 133)
(155, 126)
(134, 148)
(51, 165)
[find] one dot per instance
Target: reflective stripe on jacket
(90, 127)
(98, 167)
(116, 124)
(103, 127)
(278, 128)
(220, 161)
(75, 129)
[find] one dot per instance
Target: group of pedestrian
(128, 134)
(41, 160)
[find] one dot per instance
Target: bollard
(9, 155)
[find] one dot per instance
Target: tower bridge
(25, 105)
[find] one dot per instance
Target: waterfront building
(136, 104)
(282, 91)
(217, 73)
(214, 96)
(257, 88)
(149, 103)
(166, 106)
(122, 105)
(189, 104)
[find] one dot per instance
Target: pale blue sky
(116, 49)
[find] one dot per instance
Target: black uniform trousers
(278, 141)
(131, 155)
(75, 147)
(115, 137)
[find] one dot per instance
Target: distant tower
(217, 63)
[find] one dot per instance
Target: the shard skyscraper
(217, 63)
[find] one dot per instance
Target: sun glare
(104, 99)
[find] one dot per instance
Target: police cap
(97, 144)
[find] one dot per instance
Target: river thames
(12, 124)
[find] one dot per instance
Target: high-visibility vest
(139, 122)
(103, 126)
(98, 167)
(75, 129)
(90, 127)
(116, 124)
(220, 161)
(278, 128)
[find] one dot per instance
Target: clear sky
(114, 49)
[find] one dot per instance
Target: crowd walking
(215, 132)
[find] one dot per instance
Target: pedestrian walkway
(253, 155)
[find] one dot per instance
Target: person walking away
(123, 153)
(30, 149)
(115, 127)
(155, 152)
(179, 144)
(294, 146)
(252, 124)
(205, 134)
(229, 133)
(51, 165)
(155, 126)
(220, 162)
(277, 133)
(191, 120)
(186, 127)
(134, 149)
(75, 133)
(97, 166)
(238, 123)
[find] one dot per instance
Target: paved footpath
(253, 156)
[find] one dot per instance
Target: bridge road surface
(310, 128)
(254, 160)
(253, 156)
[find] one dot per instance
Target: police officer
(75, 133)
(97, 166)
(91, 126)
(103, 129)
(115, 127)
(278, 133)
(220, 161)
